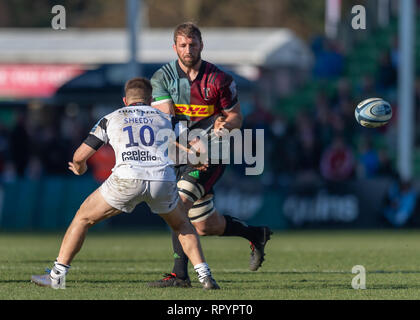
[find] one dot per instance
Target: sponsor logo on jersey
(195, 174)
(135, 155)
(194, 110)
(206, 93)
(142, 112)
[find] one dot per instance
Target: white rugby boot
(53, 279)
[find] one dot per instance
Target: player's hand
(78, 170)
(220, 126)
(201, 166)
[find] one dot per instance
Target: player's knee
(202, 230)
(183, 227)
(207, 228)
(84, 219)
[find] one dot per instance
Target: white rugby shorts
(126, 194)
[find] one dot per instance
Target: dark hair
(139, 88)
(187, 29)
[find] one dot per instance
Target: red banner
(35, 81)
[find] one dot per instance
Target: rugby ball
(373, 112)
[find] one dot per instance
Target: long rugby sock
(236, 227)
(180, 259)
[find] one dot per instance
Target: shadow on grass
(15, 281)
(321, 272)
(130, 261)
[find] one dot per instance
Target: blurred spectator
(346, 112)
(308, 149)
(34, 169)
(19, 145)
(344, 92)
(328, 60)
(400, 203)
(387, 74)
(367, 88)
(323, 128)
(9, 172)
(395, 53)
(4, 146)
(385, 164)
(54, 151)
(337, 161)
(284, 153)
(369, 160)
(259, 118)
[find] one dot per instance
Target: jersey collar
(182, 74)
(137, 104)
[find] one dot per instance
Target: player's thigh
(162, 197)
(194, 185)
(176, 218)
(95, 208)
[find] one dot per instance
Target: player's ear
(174, 47)
(125, 101)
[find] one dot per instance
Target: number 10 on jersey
(142, 135)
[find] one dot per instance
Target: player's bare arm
(78, 166)
(230, 120)
(165, 107)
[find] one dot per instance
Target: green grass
(299, 265)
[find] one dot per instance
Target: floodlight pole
(133, 31)
(332, 17)
(406, 89)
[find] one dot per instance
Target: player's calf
(190, 242)
(214, 225)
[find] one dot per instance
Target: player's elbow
(235, 120)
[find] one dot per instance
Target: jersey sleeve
(228, 93)
(160, 92)
(98, 135)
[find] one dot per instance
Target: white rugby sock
(59, 270)
(202, 270)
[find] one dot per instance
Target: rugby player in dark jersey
(205, 97)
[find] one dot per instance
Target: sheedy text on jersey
(137, 155)
(137, 120)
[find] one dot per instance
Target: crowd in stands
(324, 141)
(35, 147)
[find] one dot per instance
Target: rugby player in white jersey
(141, 173)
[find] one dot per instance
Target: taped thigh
(202, 209)
(192, 191)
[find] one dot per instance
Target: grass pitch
(299, 265)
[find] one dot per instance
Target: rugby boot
(257, 249)
(170, 280)
(46, 280)
(209, 283)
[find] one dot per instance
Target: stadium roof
(258, 47)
